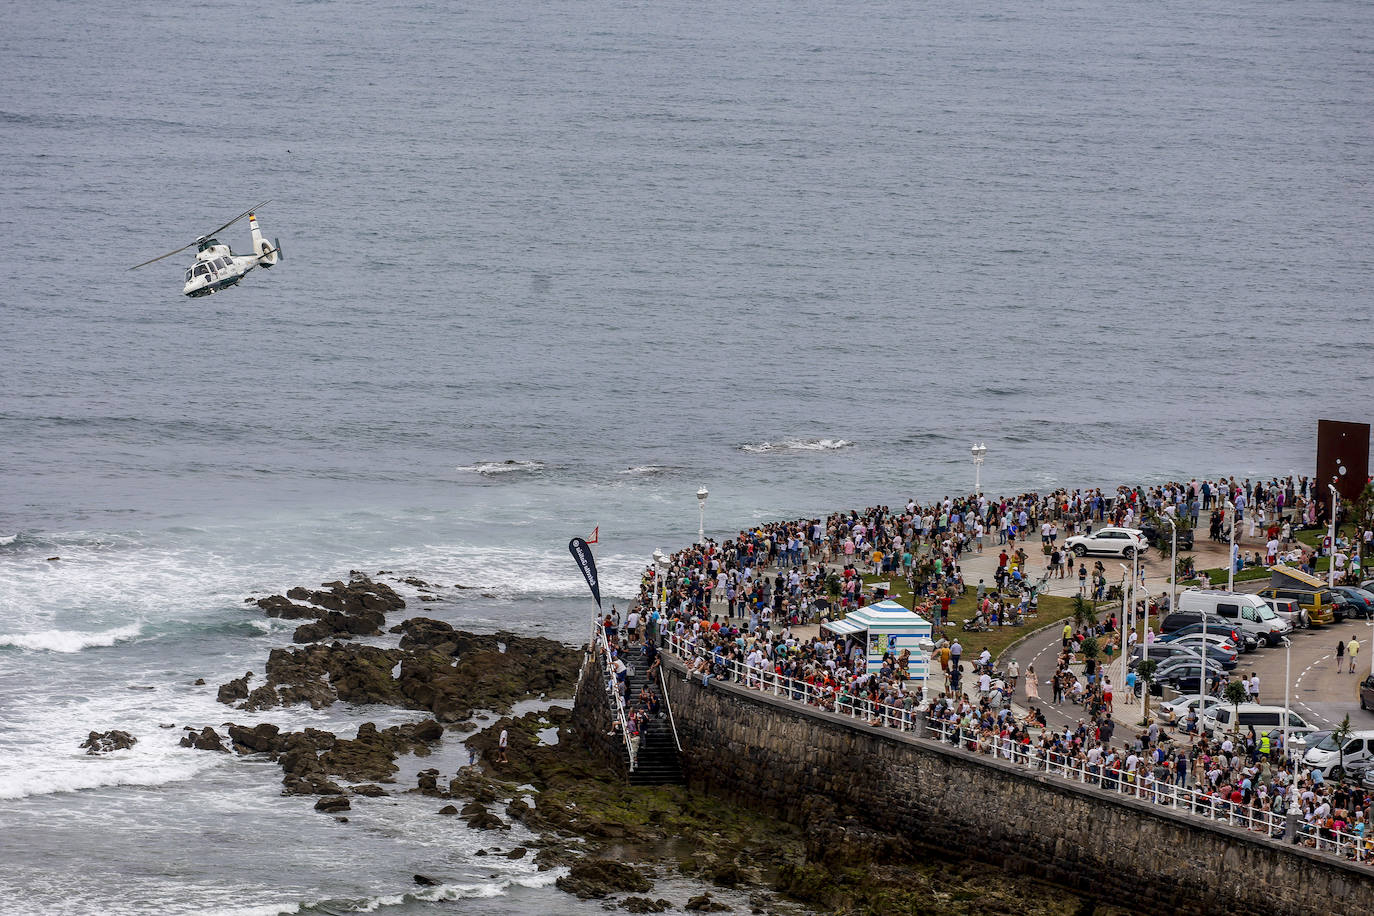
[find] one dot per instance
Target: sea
(550, 268)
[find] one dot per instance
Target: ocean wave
(8, 539)
(509, 466)
(141, 765)
(69, 640)
(645, 470)
(439, 894)
(800, 445)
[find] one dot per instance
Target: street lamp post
(1331, 555)
(1173, 566)
(978, 451)
(1286, 661)
(658, 579)
(1231, 551)
(701, 504)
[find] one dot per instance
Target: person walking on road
(1032, 688)
(1340, 654)
(1352, 649)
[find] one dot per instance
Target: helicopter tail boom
(267, 254)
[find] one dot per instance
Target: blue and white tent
(888, 627)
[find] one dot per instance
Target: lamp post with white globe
(701, 504)
(978, 451)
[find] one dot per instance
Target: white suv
(1116, 542)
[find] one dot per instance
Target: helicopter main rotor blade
(237, 218)
(161, 256)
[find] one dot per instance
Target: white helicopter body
(216, 266)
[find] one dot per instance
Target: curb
(997, 662)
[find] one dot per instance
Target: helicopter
(217, 267)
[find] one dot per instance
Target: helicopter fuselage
(216, 268)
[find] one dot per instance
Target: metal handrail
(1139, 784)
(599, 639)
(667, 704)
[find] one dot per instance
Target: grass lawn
(1218, 576)
(1052, 608)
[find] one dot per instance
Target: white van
(1359, 753)
(1250, 614)
(1223, 720)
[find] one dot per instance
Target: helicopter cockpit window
(188, 275)
(201, 270)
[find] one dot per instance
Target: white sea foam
(33, 771)
(7, 539)
(523, 572)
(510, 466)
(800, 445)
(70, 640)
(646, 470)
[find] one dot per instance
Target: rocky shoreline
(615, 840)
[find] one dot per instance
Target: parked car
(1359, 602)
(1115, 542)
(1248, 613)
(1300, 743)
(1161, 537)
(1358, 754)
(1162, 651)
(1367, 693)
(1289, 610)
(1175, 711)
(1217, 647)
(1219, 640)
(1216, 629)
(1318, 603)
(1184, 673)
(1227, 719)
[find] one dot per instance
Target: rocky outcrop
(207, 739)
(104, 742)
(337, 609)
(237, 689)
(590, 878)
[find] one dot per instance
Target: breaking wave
(497, 468)
(800, 445)
(69, 640)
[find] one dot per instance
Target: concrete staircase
(658, 760)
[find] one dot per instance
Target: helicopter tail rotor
(267, 254)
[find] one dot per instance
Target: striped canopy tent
(888, 627)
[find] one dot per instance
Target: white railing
(1140, 784)
(617, 701)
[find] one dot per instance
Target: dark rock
(486, 821)
(277, 606)
(333, 804)
(517, 853)
(480, 852)
(727, 874)
(237, 689)
(368, 790)
(702, 903)
(425, 881)
(104, 742)
(260, 739)
(645, 905)
(199, 682)
(207, 739)
(448, 810)
(589, 878)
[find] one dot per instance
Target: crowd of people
(733, 612)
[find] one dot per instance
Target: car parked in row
(1225, 719)
(1113, 542)
(1191, 625)
(1355, 756)
(1247, 613)
(1358, 601)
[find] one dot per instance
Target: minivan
(1319, 603)
(1228, 719)
(1248, 613)
(1359, 753)
(1191, 622)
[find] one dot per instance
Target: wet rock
(104, 742)
(485, 820)
(333, 804)
(727, 874)
(207, 739)
(428, 782)
(278, 606)
(448, 810)
(198, 682)
(645, 905)
(702, 903)
(237, 689)
(368, 790)
(426, 881)
(517, 853)
(260, 739)
(588, 878)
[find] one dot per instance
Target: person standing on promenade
(1340, 653)
(1352, 649)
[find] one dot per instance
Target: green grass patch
(1218, 576)
(1053, 609)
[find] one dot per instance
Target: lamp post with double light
(1231, 550)
(1331, 537)
(978, 451)
(701, 504)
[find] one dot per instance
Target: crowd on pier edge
(730, 609)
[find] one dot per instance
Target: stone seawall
(769, 754)
(592, 712)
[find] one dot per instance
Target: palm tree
(1341, 734)
(1145, 671)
